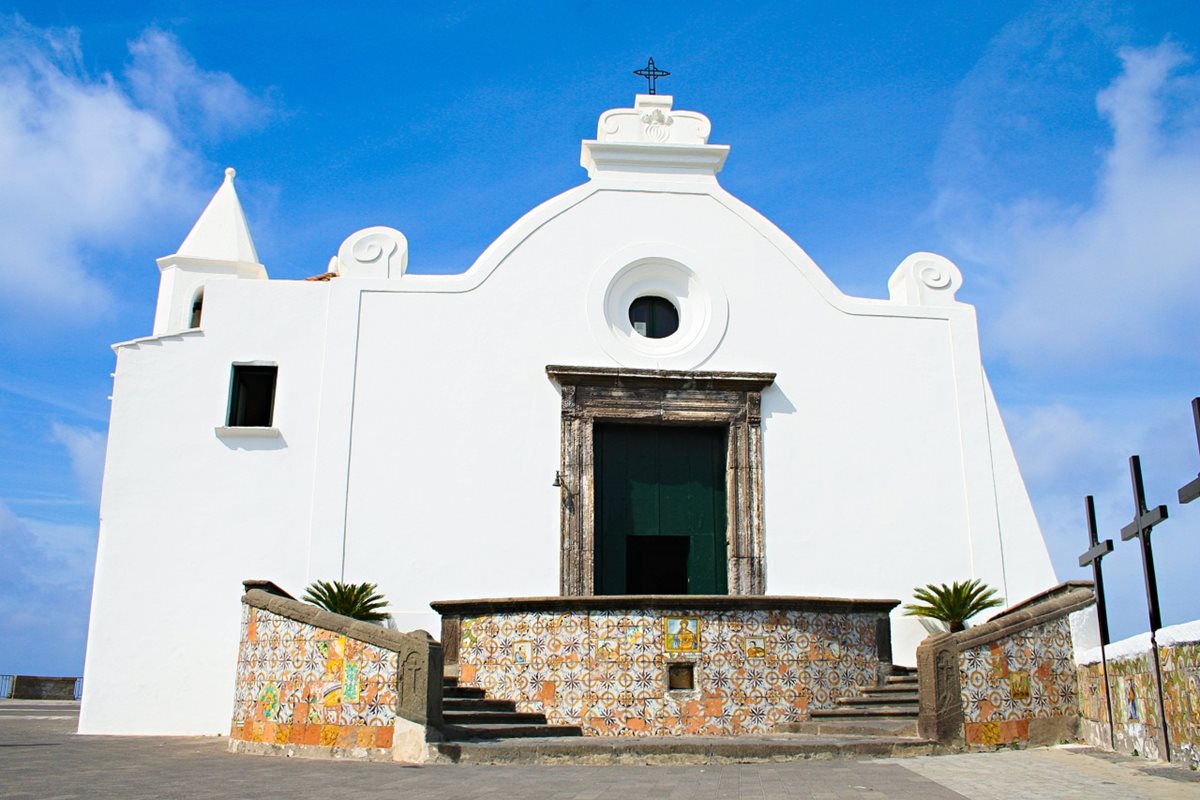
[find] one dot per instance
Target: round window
(654, 317)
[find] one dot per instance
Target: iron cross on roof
(651, 73)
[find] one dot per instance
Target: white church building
(642, 387)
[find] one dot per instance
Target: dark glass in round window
(653, 317)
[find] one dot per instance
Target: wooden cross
(1190, 491)
(1092, 556)
(1144, 520)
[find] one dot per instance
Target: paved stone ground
(41, 758)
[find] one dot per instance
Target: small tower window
(197, 308)
(252, 396)
(654, 317)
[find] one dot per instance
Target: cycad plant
(953, 604)
(357, 600)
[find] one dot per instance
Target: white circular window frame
(657, 270)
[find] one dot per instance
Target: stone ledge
(347, 626)
(698, 602)
(659, 378)
(685, 749)
(1051, 605)
(310, 751)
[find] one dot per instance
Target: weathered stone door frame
(662, 397)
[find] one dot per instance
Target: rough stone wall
(1136, 714)
(606, 671)
(1018, 680)
(302, 685)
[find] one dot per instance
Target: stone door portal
(718, 555)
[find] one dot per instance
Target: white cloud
(86, 449)
(165, 78)
(1114, 275)
(88, 163)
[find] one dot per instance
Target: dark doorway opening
(656, 564)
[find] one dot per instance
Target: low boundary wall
(1011, 680)
(669, 666)
(1137, 720)
(318, 684)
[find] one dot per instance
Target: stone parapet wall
(755, 662)
(1136, 715)
(1011, 680)
(1019, 681)
(314, 683)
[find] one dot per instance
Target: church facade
(642, 387)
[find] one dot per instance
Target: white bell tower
(219, 247)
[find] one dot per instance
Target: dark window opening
(653, 317)
(681, 676)
(656, 564)
(197, 309)
(252, 396)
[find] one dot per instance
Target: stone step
(896, 688)
(888, 699)
(501, 731)
(853, 727)
(861, 713)
(463, 692)
(476, 704)
(899, 680)
(492, 718)
(688, 750)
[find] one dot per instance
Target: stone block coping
(309, 614)
(1049, 605)
(699, 602)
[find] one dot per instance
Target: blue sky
(1051, 150)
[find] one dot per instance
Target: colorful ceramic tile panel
(1136, 714)
(297, 684)
(1006, 683)
(607, 671)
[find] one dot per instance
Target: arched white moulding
(378, 252)
(666, 271)
(925, 279)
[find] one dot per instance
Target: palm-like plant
(357, 600)
(953, 604)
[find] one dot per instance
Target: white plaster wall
(420, 436)
(186, 516)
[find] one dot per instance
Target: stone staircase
(887, 710)
(468, 714)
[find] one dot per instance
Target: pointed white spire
(221, 233)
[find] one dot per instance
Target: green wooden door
(660, 510)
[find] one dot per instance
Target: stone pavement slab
(1056, 773)
(42, 758)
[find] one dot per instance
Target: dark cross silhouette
(1191, 491)
(651, 73)
(1144, 520)
(1097, 551)
(1092, 556)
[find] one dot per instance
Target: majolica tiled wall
(298, 684)
(607, 670)
(1135, 703)
(1009, 682)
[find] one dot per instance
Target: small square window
(681, 676)
(252, 396)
